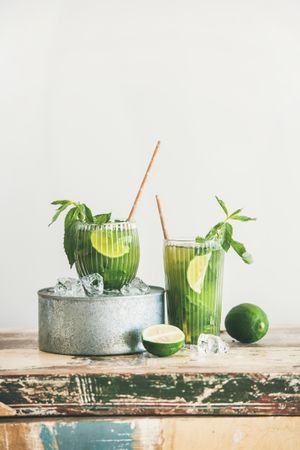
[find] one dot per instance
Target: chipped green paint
(14, 389)
(135, 394)
(87, 435)
(11, 391)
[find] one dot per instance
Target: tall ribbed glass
(111, 249)
(194, 279)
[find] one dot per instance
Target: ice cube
(93, 284)
(69, 287)
(135, 287)
(210, 344)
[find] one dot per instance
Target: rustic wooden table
(246, 399)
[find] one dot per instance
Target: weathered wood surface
(193, 433)
(259, 379)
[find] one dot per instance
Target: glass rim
(189, 242)
(112, 224)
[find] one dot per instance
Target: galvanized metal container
(106, 325)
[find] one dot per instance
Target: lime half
(163, 340)
(196, 271)
(109, 244)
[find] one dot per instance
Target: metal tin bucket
(106, 325)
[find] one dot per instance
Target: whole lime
(246, 323)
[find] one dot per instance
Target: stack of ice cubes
(92, 286)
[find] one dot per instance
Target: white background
(86, 89)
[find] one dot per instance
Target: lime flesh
(163, 340)
(109, 244)
(247, 323)
(196, 271)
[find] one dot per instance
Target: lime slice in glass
(109, 244)
(196, 271)
(163, 340)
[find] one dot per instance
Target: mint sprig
(99, 219)
(223, 233)
(79, 212)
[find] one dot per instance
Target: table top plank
(256, 379)
(278, 352)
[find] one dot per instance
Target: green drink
(194, 278)
(111, 249)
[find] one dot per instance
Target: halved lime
(163, 340)
(196, 271)
(109, 244)
(246, 323)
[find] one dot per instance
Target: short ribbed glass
(194, 279)
(111, 249)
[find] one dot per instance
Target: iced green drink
(194, 275)
(111, 249)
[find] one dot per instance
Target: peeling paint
(141, 433)
(82, 435)
(48, 437)
(152, 394)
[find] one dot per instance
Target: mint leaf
(247, 258)
(62, 202)
(70, 234)
(226, 236)
(235, 213)
(85, 214)
(222, 204)
(223, 231)
(79, 212)
(213, 232)
(200, 240)
(241, 251)
(99, 219)
(88, 214)
(58, 212)
(242, 218)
